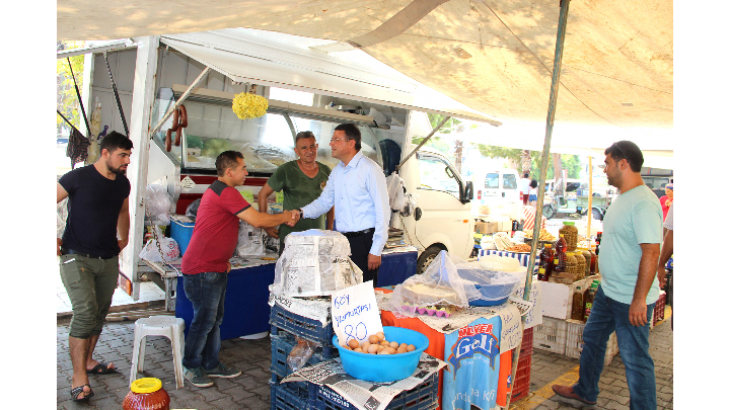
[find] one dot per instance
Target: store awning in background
(493, 56)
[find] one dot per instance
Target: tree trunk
(458, 149)
(526, 161)
(558, 167)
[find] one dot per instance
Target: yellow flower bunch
(247, 105)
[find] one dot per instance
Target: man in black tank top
(98, 209)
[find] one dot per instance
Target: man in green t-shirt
(302, 181)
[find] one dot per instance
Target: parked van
(496, 188)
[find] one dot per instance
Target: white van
(496, 188)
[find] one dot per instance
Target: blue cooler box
(181, 232)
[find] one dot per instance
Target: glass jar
(589, 259)
(570, 233)
(580, 269)
(571, 264)
(146, 393)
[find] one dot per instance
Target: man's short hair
(352, 133)
(227, 159)
(527, 174)
(304, 135)
(626, 150)
(114, 140)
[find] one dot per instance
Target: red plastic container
(521, 386)
(146, 394)
(659, 308)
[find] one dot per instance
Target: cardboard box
(486, 227)
(505, 226)
(557, 298)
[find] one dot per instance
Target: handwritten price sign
(355, 313)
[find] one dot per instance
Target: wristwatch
(301, 213)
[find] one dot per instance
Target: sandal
(101, 368)
(78, 390)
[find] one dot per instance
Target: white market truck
(159, 71)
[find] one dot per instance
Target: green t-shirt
(299, 190)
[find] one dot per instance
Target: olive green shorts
(90, 285)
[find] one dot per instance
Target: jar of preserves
(589, 259)
(571, 264)
(570, 233)
(580, 270)
(146, 394)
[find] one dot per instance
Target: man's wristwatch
(301, 213)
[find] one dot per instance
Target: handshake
(295, 216)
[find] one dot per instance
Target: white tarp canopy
(494, 56)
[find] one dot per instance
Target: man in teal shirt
(302, 181)
(624, 302)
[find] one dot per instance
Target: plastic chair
(168, 326)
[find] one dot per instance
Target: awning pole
(179, 102)
(590, 198)
(554, 87)
(428, 137)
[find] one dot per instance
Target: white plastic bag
(158, 203)
(250, 240)
(396, 193)
(170, 250)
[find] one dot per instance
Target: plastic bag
(300, 354)
(315, 263)
(396, 192)
(170, 250)
(158, 203)
(250, 240)
(192, 209)
(486, 285)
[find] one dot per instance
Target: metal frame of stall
(552, 107)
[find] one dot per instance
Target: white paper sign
(355, 313)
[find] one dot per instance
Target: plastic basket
(574, 345)
(659, 308)
(288, 396)
(301, 326)
(551, 335)
(181, 232)
(423, 397)
(283, 343)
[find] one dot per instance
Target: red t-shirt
(216, 230)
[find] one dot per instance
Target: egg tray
(430, 312)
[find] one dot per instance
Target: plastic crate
(423, 397)
(551, 335)
(521, 385)
(300, 326)
(575, 344)
(528, 338)
(659, 308)
(181, 232)
(283, 343)
(288, 397)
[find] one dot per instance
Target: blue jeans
(606, 316)
(207, 292)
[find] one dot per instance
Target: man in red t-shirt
(205, 265)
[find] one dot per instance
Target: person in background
(533, 193)
(525, 187)
(667, 199)
(667, 251)
(302, 181)
(357, 190)
(206, 264)
(629, 289)
(98, 211)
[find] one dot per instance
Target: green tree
(512, 155)
(67, 102)
(571, 163)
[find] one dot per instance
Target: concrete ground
(251, 390)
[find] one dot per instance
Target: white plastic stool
(168, 326)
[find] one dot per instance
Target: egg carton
(439, 312)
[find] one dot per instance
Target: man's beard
(118, 171)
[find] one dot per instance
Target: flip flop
(78, 390)
(101, 368)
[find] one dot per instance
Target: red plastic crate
(521, 386)
(659, 308)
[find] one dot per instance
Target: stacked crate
(551, 335)
(521, 386)
(659, 309)
(575, 343)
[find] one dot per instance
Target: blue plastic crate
(181, 232)
(301, 326)
(423, 397)
(288, 396)
(283, 343)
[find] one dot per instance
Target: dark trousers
(360, 248)
(207, 292)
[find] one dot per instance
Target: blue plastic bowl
(385, 368)
(497, 293)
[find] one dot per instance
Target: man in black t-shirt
(98, 209)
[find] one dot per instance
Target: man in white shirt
(525, 186)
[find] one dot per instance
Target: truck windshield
(434, 175)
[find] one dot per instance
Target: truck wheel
(596, 214)
(548, 212)
(427, 257)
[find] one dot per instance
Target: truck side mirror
(468, 193)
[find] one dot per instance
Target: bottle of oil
(589, 300)
(560, 258)
(577, 312)
(546, 262)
